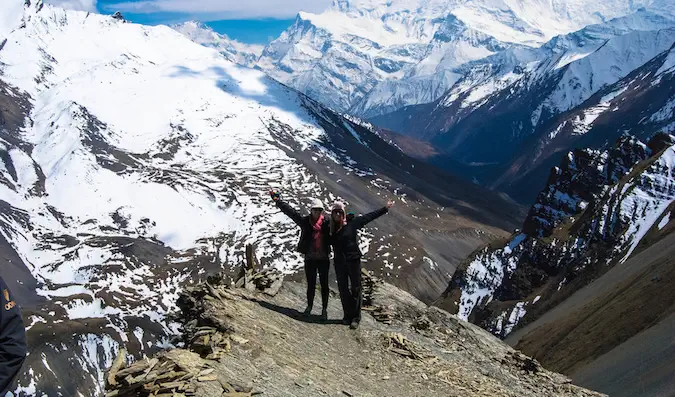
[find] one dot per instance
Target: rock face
(273, 350)
(598, 209)
(118, 15)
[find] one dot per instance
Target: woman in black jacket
(344, 239)
(314, 245)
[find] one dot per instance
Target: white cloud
(223, 9)
(80, 5)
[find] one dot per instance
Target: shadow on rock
(295, 314)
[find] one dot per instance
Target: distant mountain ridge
(580, 90)
(233, 50)
(369, 58)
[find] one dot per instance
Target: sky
(249, 21)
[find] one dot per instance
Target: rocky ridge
(240, 342)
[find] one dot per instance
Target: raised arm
(363, 220)
(12, 339)
(285, 208)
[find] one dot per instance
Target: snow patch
(516, 315)
(430, 263)
(664, 221)
(665, 113)
(646, 197)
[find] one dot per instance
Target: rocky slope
(138, 161)
(615, 334)
(243, 343)
(598, 209)
(373, 57)
(582, 89)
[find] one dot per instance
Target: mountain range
(531, 78)
(369, 58)
(135, 162)
(583, 89)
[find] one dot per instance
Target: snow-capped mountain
(135, 161)
(235, 51)
(371, 57)
(599, 208)
(521, 99)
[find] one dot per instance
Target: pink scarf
(316, 234)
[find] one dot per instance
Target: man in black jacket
(12, 339)
(344, 238)
(314, 245)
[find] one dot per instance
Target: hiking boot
(324, 315)
(354, 324)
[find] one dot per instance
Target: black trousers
(348, 274)
(312, 266)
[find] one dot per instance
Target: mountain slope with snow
(585, 287)
(520, 100)
(374, 57)
(598, 210)
(135, 161)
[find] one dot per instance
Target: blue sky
(249, 21)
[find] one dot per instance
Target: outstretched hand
(390, 203)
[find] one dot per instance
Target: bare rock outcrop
(240, 342)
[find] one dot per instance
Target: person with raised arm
(314, 246)
(344, 239)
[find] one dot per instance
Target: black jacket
(345, 241)
(306, 228)
(12, 339)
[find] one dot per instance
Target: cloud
(222, 9)
(80, 5)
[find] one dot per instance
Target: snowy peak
(532, 21)
(536, 101)
(373, 57)
(233, 50)
(536, 21)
